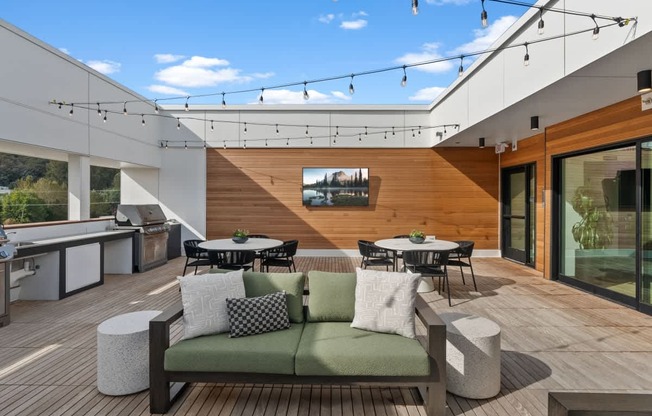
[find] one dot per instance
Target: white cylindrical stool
(123, 353)
(472, 355)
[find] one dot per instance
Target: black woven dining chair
(372, 255)
(195, 255)
(429, 263)
(461, 257)
(281, 256)
(232, 259)
(258, 254)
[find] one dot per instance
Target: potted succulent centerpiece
(417, 237)
(240, 236)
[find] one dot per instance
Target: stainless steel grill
(151, 239)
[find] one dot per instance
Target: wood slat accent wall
(450, 192)
(532, 150)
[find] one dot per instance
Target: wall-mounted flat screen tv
(335, 187)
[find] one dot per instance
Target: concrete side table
(472, 356)
(123, 353)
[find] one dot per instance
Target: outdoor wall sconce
(534, 123)
(481, 142)
(644, 81)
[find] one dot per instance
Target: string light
(351, 89)
(265, 142)
(245, 127)
(305, 91)
(166, 144)
(244, 145)
(223, 101)
(277, 129)
(460, 71)
(526, 58)
(142, 120)
(212, 128)
(393, 132)
(262, 91)
(385, 134)
(419, 131)
(541, 24)
(365, 130)
(178, 124)
(70, 113)
(337, 131)
(287, 143)
(185, 145)
(105, 113)
(99, 112)
(156, 106)
(311, 140)
(307, 131)
(204, 144)
(186, 106)
(124, 108)
(483, 16)
(224, 143)
(415, 7)
(596, 29)
(404, 79)
(359, 137)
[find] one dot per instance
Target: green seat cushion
(271, 353)
(260, 284)
(332, 296)
(336, 349)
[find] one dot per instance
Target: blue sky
(172, 48)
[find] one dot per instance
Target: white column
(79, 187)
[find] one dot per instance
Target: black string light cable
(620, 20)
(165, 143)
(614, 21)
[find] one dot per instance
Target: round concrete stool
(123, 353)
(472, 355)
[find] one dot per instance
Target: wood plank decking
(553, 338)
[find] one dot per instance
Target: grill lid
(139, 215)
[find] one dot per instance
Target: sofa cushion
(271, 353)
(204, 302)
(384, 301)
(251, 316)
(332, 296)
(336, 349)
(260, 284)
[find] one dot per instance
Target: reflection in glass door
(646, 225)
(518, 205)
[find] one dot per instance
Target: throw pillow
(384, 302)
(249, 316)
(204, 302)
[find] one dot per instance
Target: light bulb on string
(212, 127)
(311, 140)
(385, 135)
(124, 108)
(105, 113)
(204, 144)
(404, 79)
(484, 17)
(277, 129)
(351, 88)
(99, 112)
(413, 136)
(60, 104)
(305, 91)
(178, 124)
(142, 120)
(245, 127)
(265, 142)
(307, 133)
(415, 7)
(365, 130)
(244, 144)
(156, 106)
(359, 137)
(541, 25)
(186, 108)
(166, 144)
(224, 143)
(526, 58)
(419, 132)
(596, 30)
(393, 132)
(337, 131)
(71, 112)
(223, 101)
(185, 145)
(260, 100)
(287, 142)
(460, 70)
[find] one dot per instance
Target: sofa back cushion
(332, 296)
(261, 284)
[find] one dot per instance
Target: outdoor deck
(553, 338)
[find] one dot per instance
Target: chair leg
(473, 275)
(448, 287)
(196, 267)
(184, 267)
(462, 273)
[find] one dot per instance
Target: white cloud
(429, 52)
(199, 71)
(327, 18)
(105, 66)
(65, 50)
(361, 13)
(167, 58)
(484, 38)
(427, 94)
(296, 97)
(167, 90)
(443, 2)
(353, 24)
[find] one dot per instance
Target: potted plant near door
(593, 232)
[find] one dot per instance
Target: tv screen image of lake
(336, 187)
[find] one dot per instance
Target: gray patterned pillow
(204, 301)
(384, 301)
(249, 316)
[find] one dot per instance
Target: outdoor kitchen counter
(71, 264)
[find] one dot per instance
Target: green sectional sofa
(320, 347)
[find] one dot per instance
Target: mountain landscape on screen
(335, 187)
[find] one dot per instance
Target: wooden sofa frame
(166, 386)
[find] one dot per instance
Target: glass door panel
(518, 214)
(646, 224)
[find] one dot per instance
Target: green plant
(417, 234)
(240, 233)
(595, 229)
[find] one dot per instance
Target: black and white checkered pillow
(249, 316)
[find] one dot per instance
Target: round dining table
(404, 244)
(255, 244)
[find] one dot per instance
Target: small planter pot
(417, 240)
(239, 240)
